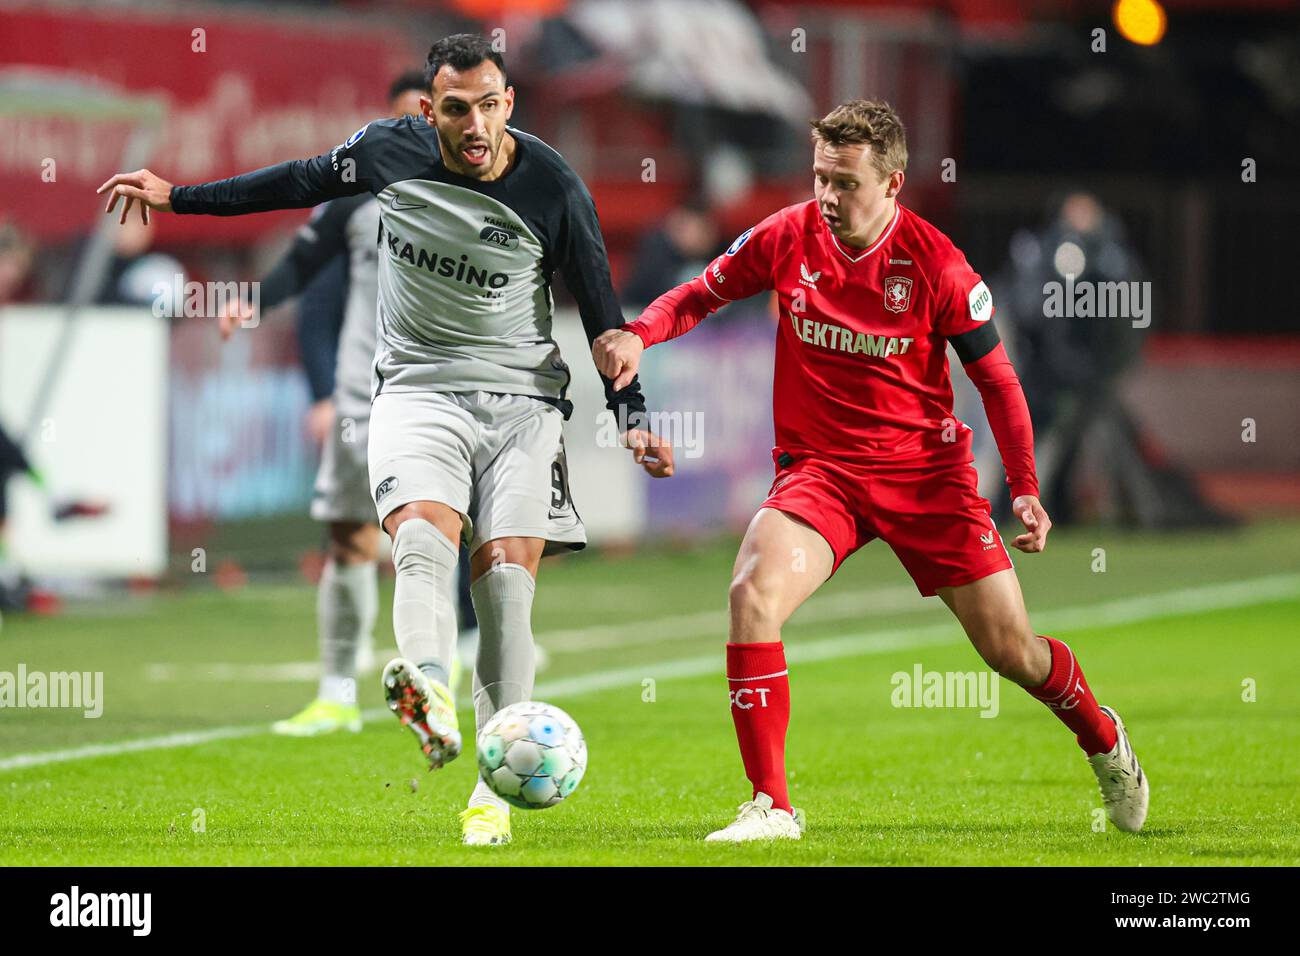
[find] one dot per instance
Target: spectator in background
(1071, 367)
(1063, 356)
(16, 256)
(135, 273)
(674, 252)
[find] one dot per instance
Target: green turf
(881, 785)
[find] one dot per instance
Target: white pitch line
(1105, 614)
(677, 627)
(166, 742)
(1216, 597)
(662, 630)
(225, 672)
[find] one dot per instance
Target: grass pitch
(1179, 633)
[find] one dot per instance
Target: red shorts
(934, 519)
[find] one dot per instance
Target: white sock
(338, 690)
(484, 796)
(347, 601)
(440, 669)
(426, 562)
(503, 671)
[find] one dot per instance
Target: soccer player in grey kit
(469, 388)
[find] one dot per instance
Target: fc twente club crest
(898, 293)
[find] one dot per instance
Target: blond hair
(870, 122)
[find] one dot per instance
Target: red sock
(760, 708)
(1066, 692)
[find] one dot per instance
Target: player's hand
(617, 355)
(320, 420)
(650, 452)
(141, 186)
(1030, 512)
(235, 313)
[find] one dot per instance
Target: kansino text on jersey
(461, 270)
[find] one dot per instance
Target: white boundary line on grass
(1215, 597)
(663, 630)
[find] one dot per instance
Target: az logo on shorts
(384, 487)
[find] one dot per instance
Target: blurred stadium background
(161, 459)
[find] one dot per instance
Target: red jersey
(861, 356)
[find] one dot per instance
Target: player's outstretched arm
(141, 187)
(344, 171)
(745, 269)
(297, 184)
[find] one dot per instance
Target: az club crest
(898, 293)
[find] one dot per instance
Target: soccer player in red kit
(867, 446)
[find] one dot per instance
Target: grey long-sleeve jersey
(465, 267)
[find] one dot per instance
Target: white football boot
(759, 820)
(427, 708)
(1124, 788)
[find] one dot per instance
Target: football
(532, 755)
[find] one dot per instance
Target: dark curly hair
(461, 51)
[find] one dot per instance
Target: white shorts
(342, 491)
(496, 459)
